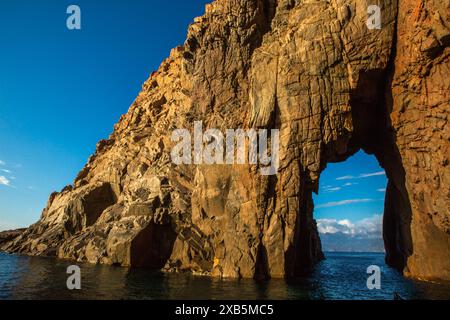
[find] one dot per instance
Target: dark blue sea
(340, 276)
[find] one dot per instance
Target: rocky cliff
(9, 235)
(329, 84)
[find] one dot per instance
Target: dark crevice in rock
(310, 246)
(306, 249)
(262, 265)
(270, 7)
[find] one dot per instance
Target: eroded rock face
(8, 235)
(419, 110)
(311, 69)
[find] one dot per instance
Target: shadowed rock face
(311, 69)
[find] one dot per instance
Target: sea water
(340, 276)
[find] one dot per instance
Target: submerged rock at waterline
(329, 84)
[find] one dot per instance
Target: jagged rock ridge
(311, 69)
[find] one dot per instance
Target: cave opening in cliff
(349, 205)
(152, 246)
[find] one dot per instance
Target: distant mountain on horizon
(341, 242)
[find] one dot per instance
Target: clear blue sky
(353, 189)
(61, 91)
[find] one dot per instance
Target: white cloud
(341, 203)
(4, 181)
(328, 226)
(362, 175)
(345, 178)
(6, 170)
(373, 174)
(367, 228)
(381, 190)
(331, 189)
(2, 163)
(348, 184)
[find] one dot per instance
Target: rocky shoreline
(9, 235)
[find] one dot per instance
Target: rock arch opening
(371, 103)
(396, 209)
(349, 205)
